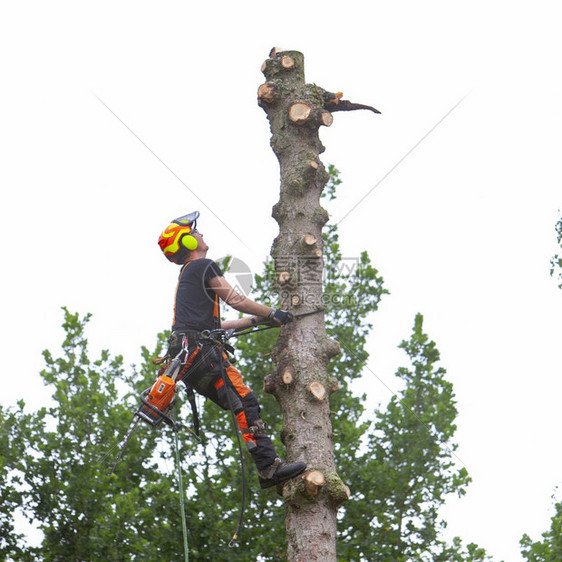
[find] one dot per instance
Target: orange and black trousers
(212, 375)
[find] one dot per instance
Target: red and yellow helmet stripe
(170, 239)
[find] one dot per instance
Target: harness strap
(189, 362)
(257, 430)
(192, 403)
(189, 390)
(216, 312)
(268, 472)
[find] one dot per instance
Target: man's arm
(237, 301)
(239, 323)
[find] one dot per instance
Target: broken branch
(346, 105)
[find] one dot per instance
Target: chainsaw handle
(169, 421)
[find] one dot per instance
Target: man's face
(201, 244)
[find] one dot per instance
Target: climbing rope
(182, 500)
(219, 337)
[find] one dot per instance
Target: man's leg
(247, 412)
(271, 469)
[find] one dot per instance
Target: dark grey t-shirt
(195, 301)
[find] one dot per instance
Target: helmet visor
(189, 220)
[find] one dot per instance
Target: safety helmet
(176, 240)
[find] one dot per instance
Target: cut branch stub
(317, 389)
(287, 376)
(285, 65)
(283, 277)
(313, 482)
(266, 93)
(327, 118)
(269, 384)
(300, 112)
(308, 242)
(333, 349)
(309, 239)
(287, 62)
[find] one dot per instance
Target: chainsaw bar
(134, 424)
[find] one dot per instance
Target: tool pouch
(205, 371)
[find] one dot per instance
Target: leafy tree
(556, 260)
(550, 548)
(457, 552)
(59, 457)
(11, 493)
(408, 468)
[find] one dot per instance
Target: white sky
(462, 230)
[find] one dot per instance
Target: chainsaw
(157, 401)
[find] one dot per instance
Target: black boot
(279, 471)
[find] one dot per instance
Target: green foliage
(457, 552)
(408, 467)
(60, 459)
(333, 182)
(56, 462)
(556, 260)
(11, 493)
(550, 548)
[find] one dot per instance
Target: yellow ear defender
(190, 242)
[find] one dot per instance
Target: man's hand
(279, 317)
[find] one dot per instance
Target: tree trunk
(301, 382)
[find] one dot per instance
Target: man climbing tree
(196, 310)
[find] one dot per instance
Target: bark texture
(296, 110)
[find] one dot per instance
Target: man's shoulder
(207, 266)
(203, 262)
